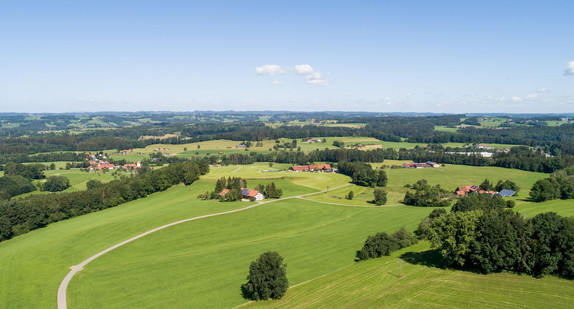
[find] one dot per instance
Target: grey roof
(506, 193)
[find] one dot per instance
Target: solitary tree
(267, 278)
(380, 197)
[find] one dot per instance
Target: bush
(267, 278)
(382, 244)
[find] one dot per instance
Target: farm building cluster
(247, 194)
(312, 168)
(421, 165)
(464, 190)
(102, 164)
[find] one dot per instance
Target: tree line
(19, 216)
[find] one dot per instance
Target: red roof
(251, 193)
(222, 193)
(320, 166)
(300, 168)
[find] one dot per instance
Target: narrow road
(62, 297)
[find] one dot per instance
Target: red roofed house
(472, 188)
(224, 192)
(252, 195)
(303, 168)
(317, 167)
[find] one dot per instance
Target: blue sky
(381, 56)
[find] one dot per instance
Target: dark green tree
(380, 197)
(350, 195)
(56, 184)
(267, 278)
(486, 185)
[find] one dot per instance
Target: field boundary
(62, 289)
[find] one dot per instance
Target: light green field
(34, 264)
(444, 129)
(376, 284)
(207, 260)
(203, 263)
(449, 177)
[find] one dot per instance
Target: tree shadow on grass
(429, 258)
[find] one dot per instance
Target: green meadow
(376, 284)
(202, 263)
(449, 177)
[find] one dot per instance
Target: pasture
(203, 263)
(376, 284)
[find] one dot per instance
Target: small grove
(492, 239)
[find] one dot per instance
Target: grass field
(449, 177)
(203, 263)
(376, 284)
(207, 260)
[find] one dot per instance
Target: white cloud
(312, 77)
(270, 70)
(304, 69)
(542, 90)
(276, 83)
(570, 69)
(316, 79)
(531, 96)
(516, 99)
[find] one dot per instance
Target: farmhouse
(472, 188)
(252, 195)
(421, 165)
(483, 146)
(312, 168)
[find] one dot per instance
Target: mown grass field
(449, 177)
(376, 284)
(34, 264)
(203, 263)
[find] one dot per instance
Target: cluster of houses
(461, 191)
(247, 194)
(483, 146)
(312, 140)
(98, 165)
(312, 168)
(162, 149)
(421, 165)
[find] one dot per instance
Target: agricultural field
(203, 263)
(449, 177)
(422, 284)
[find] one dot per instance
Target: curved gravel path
(62, 297)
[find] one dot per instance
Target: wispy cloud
(271, 70)
(312, 77)
(570, 68)
(543, 90)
